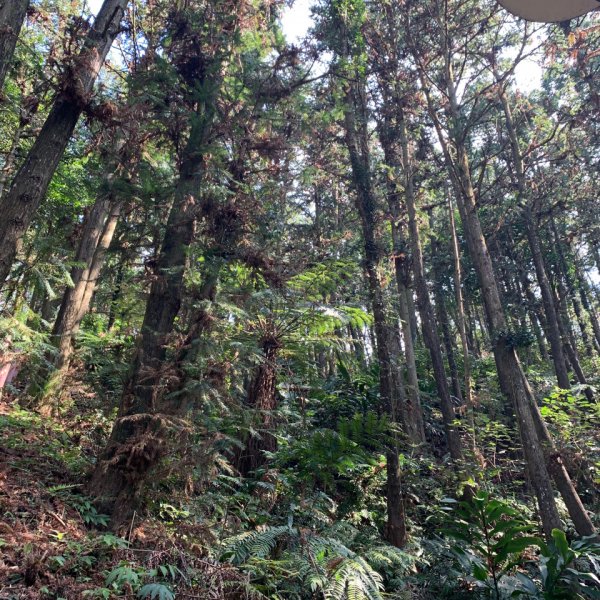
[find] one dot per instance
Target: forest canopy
(308, 319)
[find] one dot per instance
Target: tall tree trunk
(570, 343)
(462, 327)
(117, 288)
(97, 235)
(565, 287)
(411, 409)
(441, 313)
(472, 339)
(512, 379)
(428, 324)
(21, 202)
(538, 448)
(586, 302)
(153, 400)
(531, 228)
(113, 482)
(12, 15)
(536, 315)
(356, 134)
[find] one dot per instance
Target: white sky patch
(296, 20)
(94, 6)
(528, 76)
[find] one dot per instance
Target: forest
(298, 316)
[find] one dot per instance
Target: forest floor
(53, 542)
(54, 545)
(43, 530)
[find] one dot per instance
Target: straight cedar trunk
(512, 380)
(472, 338)
(586, 302)
(428, 323)
(566, 333)
(20, 204)
(511, 376)
(97, 236)
(441, 313)
(12, 15)
(355, 120)
(535, 247)
(536, 316)
(387, 128)
(570, 343)
(461, 322)
(540, 453)
(411, 407)
(580, 285)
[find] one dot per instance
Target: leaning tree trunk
(141, 434)
(12, 15)
(531, 228)
(137, 442)
(540, 453)
(21, 202)
(512, 380)
(97, 237)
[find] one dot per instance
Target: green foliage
(129, 577)
(323, 280)
(156, 591)
(560, 570)
(493, 536)
(82, 504)
(320, 561)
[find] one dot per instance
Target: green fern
(316, 561)
(240, 548)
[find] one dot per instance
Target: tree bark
(442, 316)
(76, 302)
(531, 228)
(113, 482)
(12, 15)
(356, 134)
(30, 184)
(462, 327)
(428, 324)
(586, 302)
(411, 409)
(512, 379)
